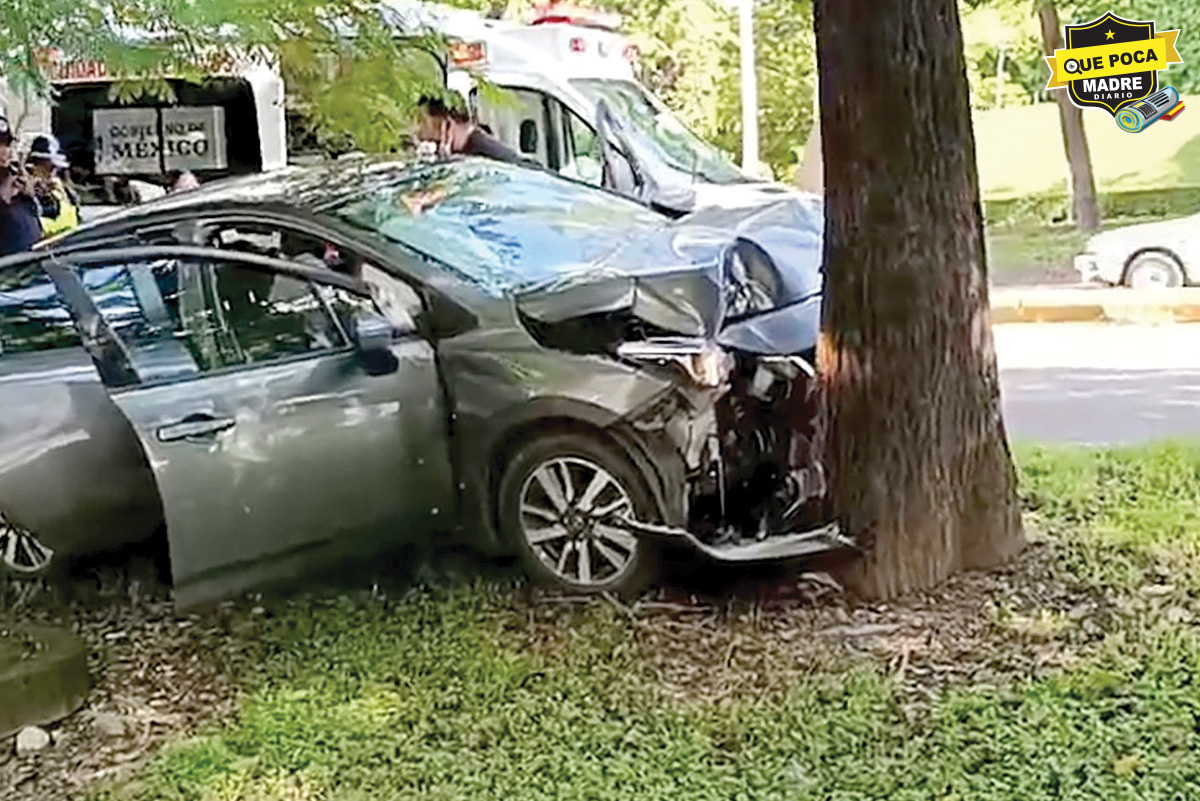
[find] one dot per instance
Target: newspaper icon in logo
(1112, 63)
(1163, 104)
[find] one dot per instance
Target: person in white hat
(59, 205)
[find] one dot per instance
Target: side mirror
(373, 334)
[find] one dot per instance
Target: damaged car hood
(749, 278)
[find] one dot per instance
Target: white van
(125, 152)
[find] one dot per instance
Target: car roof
(306, 189)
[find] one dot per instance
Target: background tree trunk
(920, 464)
(1084, 207)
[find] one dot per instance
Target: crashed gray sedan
(326, 361)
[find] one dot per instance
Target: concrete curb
(1094, 305)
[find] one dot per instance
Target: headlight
(704, 362)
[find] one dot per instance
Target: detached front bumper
(792, 545)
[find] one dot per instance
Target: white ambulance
(572, 102)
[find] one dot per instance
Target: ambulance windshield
(657, 129)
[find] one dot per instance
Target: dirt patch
(979, 629)
(156, 676)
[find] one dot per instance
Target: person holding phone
(20, 228)
(59, 205)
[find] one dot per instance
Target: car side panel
(71, 468)
(500, 381)
(319, 461)
(1188, 245)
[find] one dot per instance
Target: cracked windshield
(499, 227)
(661, 131)
(525, 400)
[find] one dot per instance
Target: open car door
(288, 418)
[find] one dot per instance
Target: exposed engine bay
(764, 476)
(738, 340)
(745, 423)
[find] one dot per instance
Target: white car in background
(1147, 256)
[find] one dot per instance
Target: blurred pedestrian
(19, 226)
(6, 143)
(58, 204)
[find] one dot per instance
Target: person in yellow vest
(59, 205)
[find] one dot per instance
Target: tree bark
(914, 438)
(1084, 207)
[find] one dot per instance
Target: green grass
(1021, 159)
(1038, 253)
(1124, 517)
(1031, 251)
(441, 695)
(1021, 152)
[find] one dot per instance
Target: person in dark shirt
(19, 226)
(453, 131)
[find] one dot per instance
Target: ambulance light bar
(557, 12)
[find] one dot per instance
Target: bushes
(1055, 207)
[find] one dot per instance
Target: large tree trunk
(920, 464)
(1084, 207)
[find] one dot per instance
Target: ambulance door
(521, 118)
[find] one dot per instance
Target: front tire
(554, 498)
(1154, 270)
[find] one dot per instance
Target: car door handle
(195, 426)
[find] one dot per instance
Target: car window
(497, 225)
(145, 305)
(139, 300)
(584, 159)
(659, 132)
(285, 244)
(268, 316)
(32, 316)
(390, 298)
(181, 317)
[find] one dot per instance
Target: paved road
(1100, 384)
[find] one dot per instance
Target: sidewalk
(1121, 349)
(1094, 304)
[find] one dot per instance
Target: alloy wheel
(20, 550)
(566, 506)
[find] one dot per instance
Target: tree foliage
(993, 25)
(691, 50)
(358, 88)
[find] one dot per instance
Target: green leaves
(690, 57)
(351, 79)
